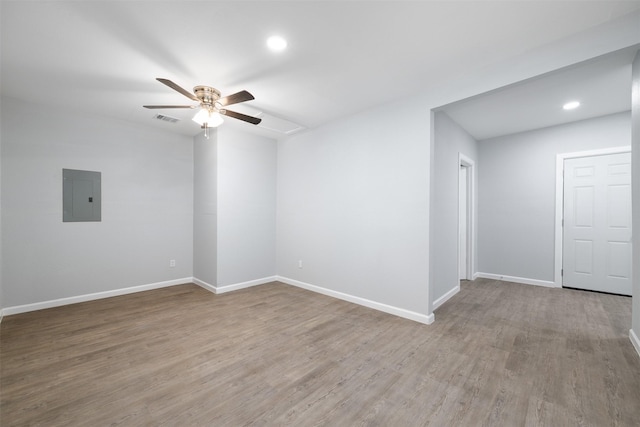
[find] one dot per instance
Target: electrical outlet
(299, 263)
(172, 263)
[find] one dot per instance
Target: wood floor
(499, 354)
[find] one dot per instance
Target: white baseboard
(401, 312)
(205, 285)
(243, 285)
(635, 341)
(444, 298)
(1, 315)
(523, 280)
(235, 286)
(90, 297)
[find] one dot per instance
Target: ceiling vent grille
(277, 124)
(165, 118)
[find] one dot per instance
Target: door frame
(560, 158)
(470, 165)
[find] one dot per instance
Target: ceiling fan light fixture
(211, 119)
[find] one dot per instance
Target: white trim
(471, 220)
(204, 285)
(560, 158)
(1, 315)
(90, 297)
(236, 286)
(523, 280)
(243, 285)
(635, 341)
(429, 193)
(444, 298)
(401, 312)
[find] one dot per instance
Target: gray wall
(246, 223)
(205, 207)
(234, 234)
(636, 195)
(147, 204)
(516, 194)
(353, 206)
(449, 140)
(353, 196)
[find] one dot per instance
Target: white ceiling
(602, 86)
(102, 57)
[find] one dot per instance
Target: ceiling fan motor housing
(207, 95)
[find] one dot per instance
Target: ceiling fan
(211, 105)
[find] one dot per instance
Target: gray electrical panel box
(81, 196)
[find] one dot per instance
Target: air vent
(271, 122)
(277, 124)
(167, 119)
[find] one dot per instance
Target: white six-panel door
(597, 223)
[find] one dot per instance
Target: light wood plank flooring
(499, 354)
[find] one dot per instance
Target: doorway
(465, 217)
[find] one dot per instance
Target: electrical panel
(81, 196)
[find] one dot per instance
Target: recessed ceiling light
(571, 105)
(276, 43)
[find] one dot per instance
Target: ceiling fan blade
(169, 106)
(177, 88)
(240, 116)
(236, 98)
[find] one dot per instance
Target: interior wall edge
(217, 289)
(451, 145)
(204, 285)
(426, 319)
(244, 285)
(446, 297)
(635, 196)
